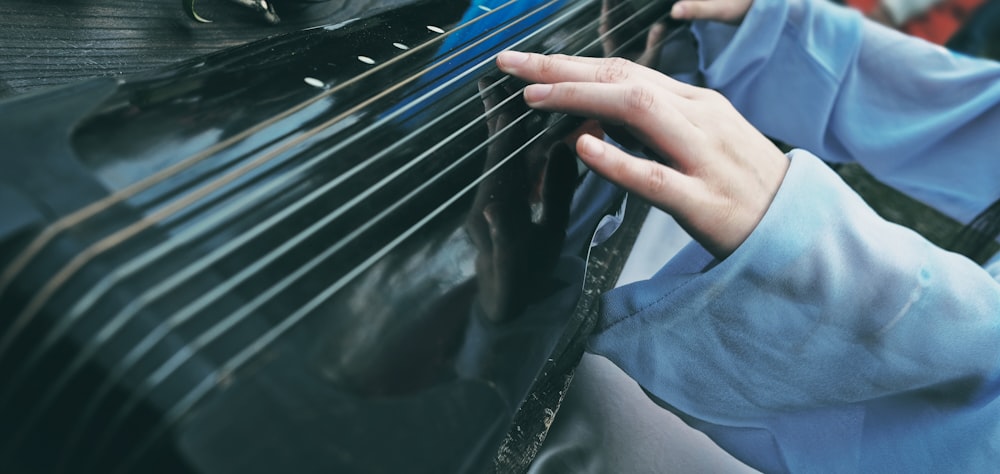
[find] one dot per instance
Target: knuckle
(613, 70)
(639, 101)
(547, 64)
(713, 96)
(621, 63)
(622, 167)
(655, 179)
(701, 93)
(565, 93)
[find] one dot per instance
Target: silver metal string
(84, 304)
(42, 240)
(148, 297)
(27, 315)
(252, 350)
(117, 322)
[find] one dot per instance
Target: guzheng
(337, 250)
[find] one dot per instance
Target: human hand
(521, 210)
(726, 11)
(718, 174)
(621, 33)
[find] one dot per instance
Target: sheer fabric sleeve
(824, 304)
(817, 76)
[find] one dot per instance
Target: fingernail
(512, 58)
(537, 92)
(677, 11)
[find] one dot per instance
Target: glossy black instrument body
(275, 258)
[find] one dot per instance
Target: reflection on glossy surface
(518, 250)
(262, 7)
(286, 258)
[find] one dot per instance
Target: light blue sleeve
(825, 304)
(820, 77)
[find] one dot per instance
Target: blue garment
(832, 340)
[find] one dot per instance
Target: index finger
(657, 118)
(550, 69)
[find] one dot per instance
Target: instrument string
(87, 303)
(168, 368)
(227, 286)
(81, 259)
(202, 228)
(231, 366)
(205, 300)
(75, 218)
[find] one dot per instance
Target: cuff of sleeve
(825, 303)
(810, 231)
(736, 318)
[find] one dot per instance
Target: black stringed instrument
(345, 249)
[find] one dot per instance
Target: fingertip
(590, 148)
(657, 29)
(508, 60)
(535, 93)
(656, 34)
(490, 216)
(678, 11)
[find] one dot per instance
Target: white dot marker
(312, 81)
(366, 60)
(485, 8)
(401, 46)
(435, 29)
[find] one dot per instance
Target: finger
(614, 12)
(661, 185)
(624, 138)
(560, 68)
(508, 112)
(650, 56)
(615, 104)
(656, 118)
(557, 197)
(500, 102)
(707, 10)
(478, 230)
(548, 69)
(615, 29)
(507, 227)
(557, 188)
(656, 34)
(489, 91)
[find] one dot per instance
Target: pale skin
(725, 11)
(711, 170)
